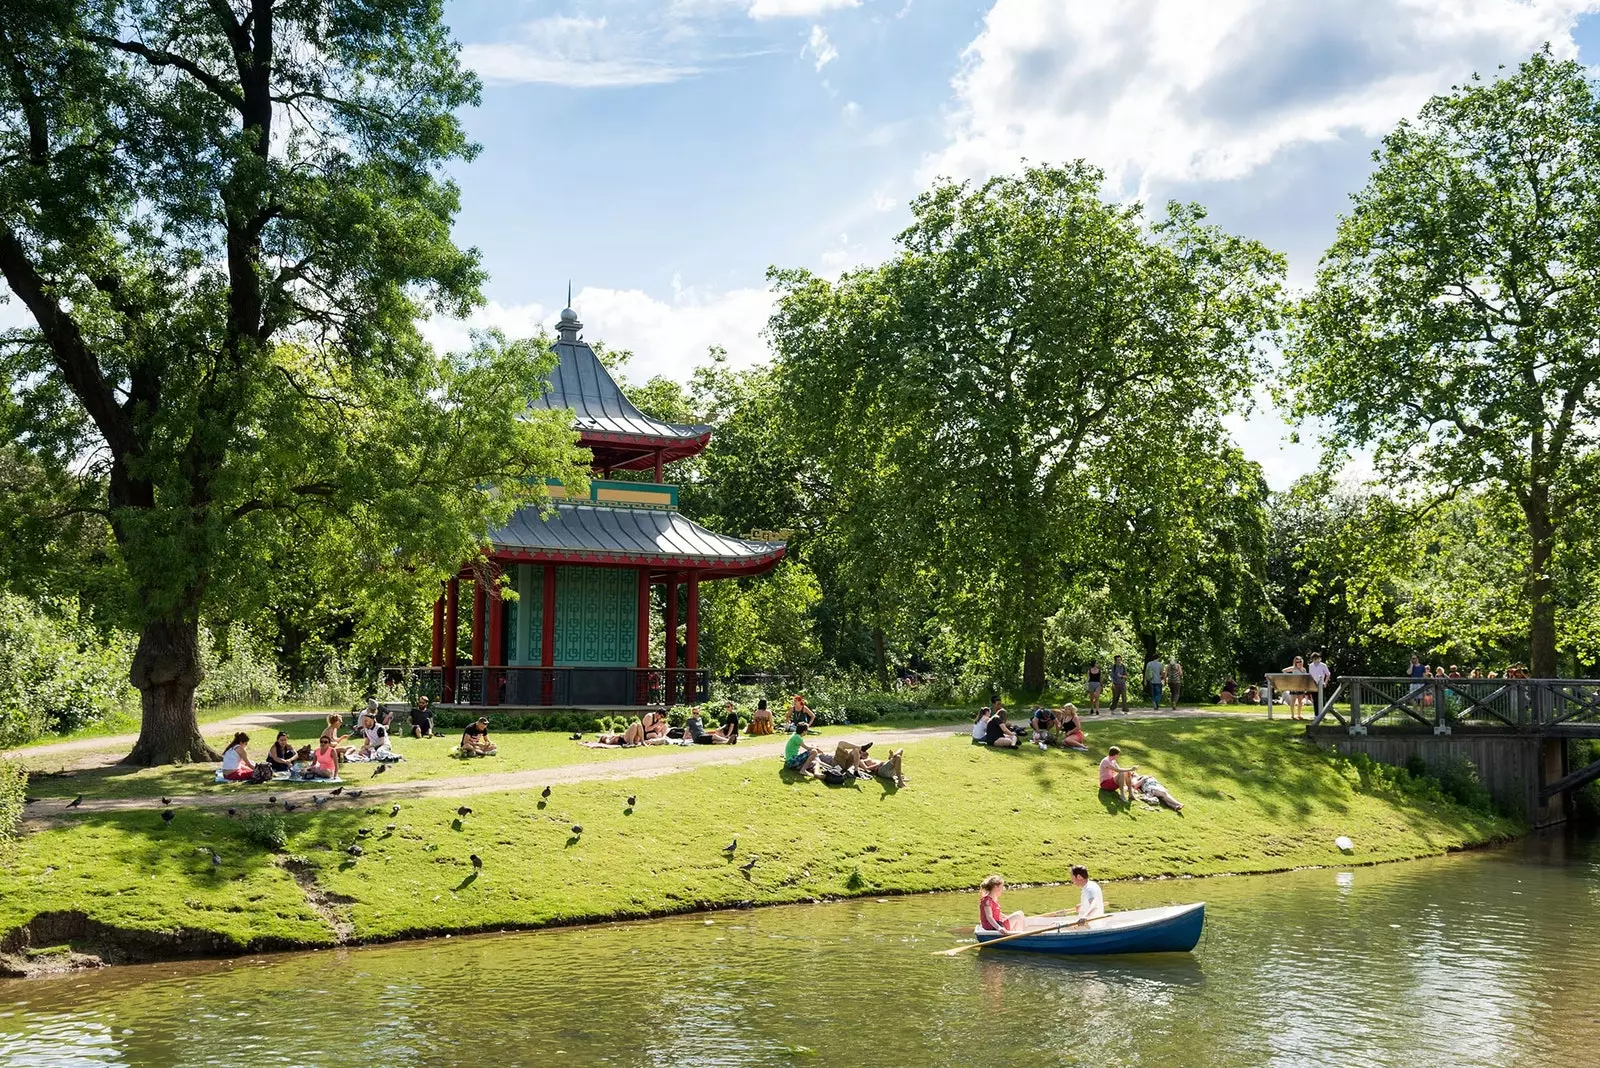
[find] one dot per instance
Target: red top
(989, 914)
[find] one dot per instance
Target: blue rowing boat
(1170, 929)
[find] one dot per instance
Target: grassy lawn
(128, 723)
(424, 759)
(1257, 800)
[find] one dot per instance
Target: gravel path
(124, 742)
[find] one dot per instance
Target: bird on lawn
(318, 801)
(577, 828)
(395, 811)
(337, 792)
(232, 812)
(31, 800)
(216, 861)
(363, 832)
(75, 802)
(631, 799)
(166, 817)
(166, 800)
(748, 866)
(354, 794)
(545, 793)
(272, 799)
(379, 770)
(477, 861)
(731, 846)
(289, 806)
(389, 827)
(463, 811)
(355, 851)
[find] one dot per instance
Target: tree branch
(219, 88)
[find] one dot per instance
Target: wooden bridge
(1514, 730)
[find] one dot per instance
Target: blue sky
(663, 154)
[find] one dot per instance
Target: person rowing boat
(1091, 902)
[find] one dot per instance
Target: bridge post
(1356, 726)
(1441, 715)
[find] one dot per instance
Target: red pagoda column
(692, 657)
(451, 625)
(478, 607)
(437, 659)
(670, 618)
(547, 633)
(492, 656)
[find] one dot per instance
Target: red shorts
(1108, 784)
(238, 775)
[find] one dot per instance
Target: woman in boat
(990, 917)
(281, 755)
(761, 721)
(236, 766)
(1114, 777)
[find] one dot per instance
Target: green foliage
(13, 792)
(1450, 328)
(1454, 781)
(57, 673)
(268, 830)
(761, 623)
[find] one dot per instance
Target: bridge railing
(1444, 704)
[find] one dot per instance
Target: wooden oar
(1009, 937)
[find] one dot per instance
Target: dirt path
(665, 761)
(77, 751)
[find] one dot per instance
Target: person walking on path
(1152, 678)
(1093, 685)
(1174, 682)
(1119, 684)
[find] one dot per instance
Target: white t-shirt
(1092, 903)
(377, 737)
(980, 729)
(1321, 672)
(230, 759)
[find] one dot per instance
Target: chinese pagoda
(578, 633)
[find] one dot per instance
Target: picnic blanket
(281, 776)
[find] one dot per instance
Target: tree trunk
(166, 670)
(1541, 602)
(1033, 662)
(880, 654)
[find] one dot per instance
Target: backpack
(261, 773)
(834, 775)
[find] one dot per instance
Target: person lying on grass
(475, 739)
(281, 755)
(324, 762)
(999, 732)
(989, 915)
(1091, 902)
(854, 758)
(236, 766)
(1116, 778)
(800, 757)
(727, 734)
(761, 721)
(649, 729)
(1152, 792)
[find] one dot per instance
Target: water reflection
(1473, 960)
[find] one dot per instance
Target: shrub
(240, 669)
(266, 829)
(13, 790)
(57, 672)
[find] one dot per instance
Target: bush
(57, 672)
(1454, 782)
(266, 829)
(240, 670)
(13, 791)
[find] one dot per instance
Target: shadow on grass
(1113, 803)
(471, 878)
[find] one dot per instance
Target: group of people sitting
(371, 742)
(1046, 727)
(848, 761)
(1091, 904)
(652, 728)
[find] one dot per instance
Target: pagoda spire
(567, 327)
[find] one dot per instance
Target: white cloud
(1173, 90)
(583, 52)
(820, 48)
(777, 9)
(666, 338)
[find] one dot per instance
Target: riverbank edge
(55, 943)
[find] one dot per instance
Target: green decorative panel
(597, 615)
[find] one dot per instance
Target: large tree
(979, 374)
(1455, 325)
(224, 218)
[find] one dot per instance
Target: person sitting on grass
(1230, 692)
(324, 762)
(761, 721)
(374, 739)
(475, 739)
(1069, 728)
(990, 917)
(331, 735)
(422, 719)
(980, 726)
(648, 729)
(236, 766)
(800, 712)
(1153, 793)
(1116, 778)
(999, 732)
(1091, 902)
(1252, 695)
(281, 755)
(1043, 722)
(798, 756)
(727, 734)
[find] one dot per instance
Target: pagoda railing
(547, 687)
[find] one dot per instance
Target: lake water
(1490, 958)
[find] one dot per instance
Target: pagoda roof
(631, 537)
(621, 436)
